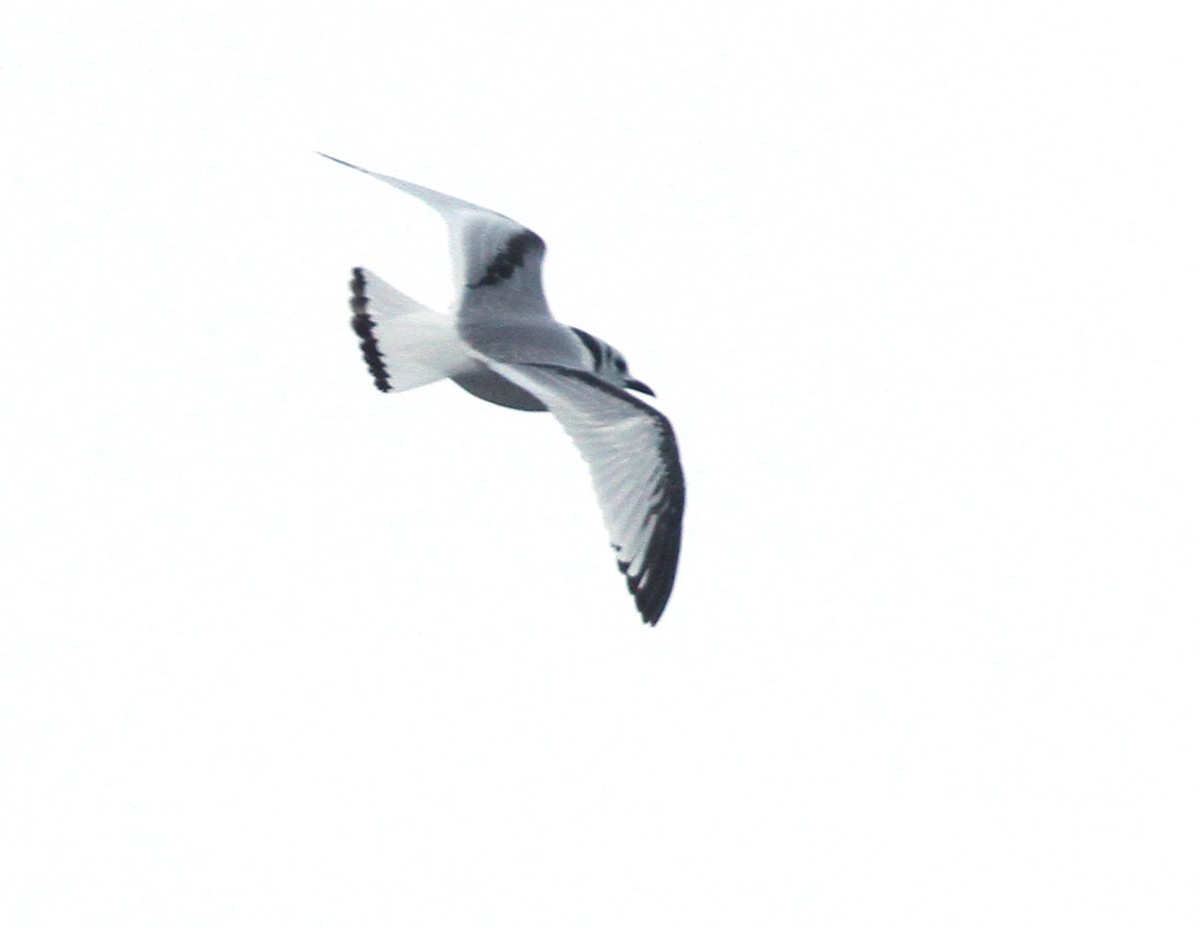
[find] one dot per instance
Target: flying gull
(500, 343)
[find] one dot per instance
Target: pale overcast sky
(915, 282)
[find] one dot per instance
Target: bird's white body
(501, 344)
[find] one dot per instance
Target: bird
(500, 343)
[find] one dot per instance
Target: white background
(916, 283)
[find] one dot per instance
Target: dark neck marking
(592, 344)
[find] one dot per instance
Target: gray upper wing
(631, 451)
(497, 262)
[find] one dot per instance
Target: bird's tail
(405, 343)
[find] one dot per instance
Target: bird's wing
(497, 262)
(631, 451)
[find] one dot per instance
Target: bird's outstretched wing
(497, 261)
(631, 451)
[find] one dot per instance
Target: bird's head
(608, 363)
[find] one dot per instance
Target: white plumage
(501, 344)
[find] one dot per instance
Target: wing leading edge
(630, 448)
(497, 261)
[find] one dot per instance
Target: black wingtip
(340, 161)
(651, 587)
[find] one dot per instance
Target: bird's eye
(621, 365)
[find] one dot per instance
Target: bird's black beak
(639, 386)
